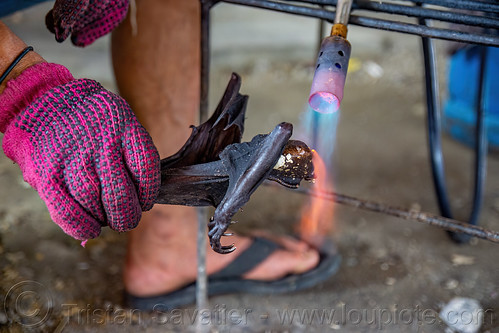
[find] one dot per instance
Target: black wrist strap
(15, 62)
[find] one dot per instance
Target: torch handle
(341, 19)
(343, 11)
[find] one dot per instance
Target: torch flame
(317, 215)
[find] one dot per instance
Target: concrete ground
(395, 275)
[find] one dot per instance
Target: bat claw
(228, 249)
(217, 247)
(215, 232)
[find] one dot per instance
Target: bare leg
(158, 74)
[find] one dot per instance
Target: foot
(162, 254)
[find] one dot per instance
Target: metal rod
(434, 126)
(286, 8)
(481, 143)
(205, 58)
(417, 12)
(484, 6)
(320, 36)
(423, 217)
(447, 16)
(343, 11)
(416, 29)
(202, 279)
(321, 3)
(481, 147)
(435, 144)
(413, 11)
(370, 22)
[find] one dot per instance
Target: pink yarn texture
(81, 147)
(85, 20)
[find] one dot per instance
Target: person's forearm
(10, 47)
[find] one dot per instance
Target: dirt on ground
(395, 275)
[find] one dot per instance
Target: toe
(287, 242)
(283, 262)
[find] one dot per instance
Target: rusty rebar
(202, 276)
(304, 9)
(413, 215)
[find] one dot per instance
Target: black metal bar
(370, 22)
(484, 6)
(481, 146)
(423, 217)
(419, 12)
(424, 31)
(320, 36)
(205, 58)
(434, 126)
(201, 276)
(287, 8)
(316, 2)
(435, 145)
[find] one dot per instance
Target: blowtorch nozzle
(332, 64)
(330, 74)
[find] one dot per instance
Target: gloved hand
(85, 20)
(81, 147)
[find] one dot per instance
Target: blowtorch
(332, 64)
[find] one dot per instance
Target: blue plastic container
(459, 118)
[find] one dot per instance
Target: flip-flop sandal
(229, 280)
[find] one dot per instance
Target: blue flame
(318, 130)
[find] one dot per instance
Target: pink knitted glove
(81, 147)
(85, 20)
